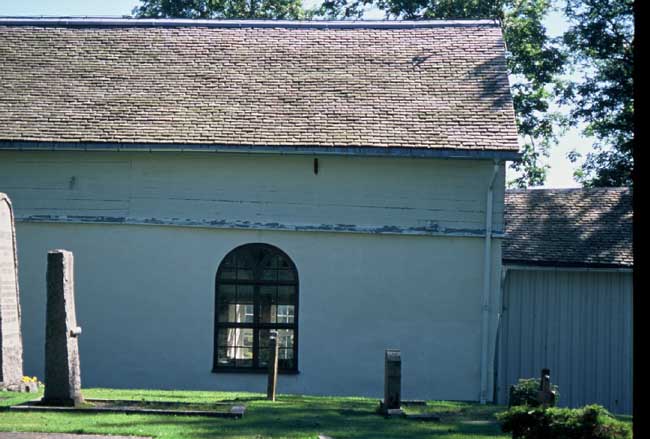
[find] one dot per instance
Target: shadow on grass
(308, 423)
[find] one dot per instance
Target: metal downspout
(487, 271)
(497, 350)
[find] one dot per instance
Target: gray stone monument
(62, 374)
(11, 343)
(392, 382)
(546, 395)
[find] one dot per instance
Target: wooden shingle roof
(569, 227)
(434, 85)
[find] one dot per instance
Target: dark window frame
(256, 325)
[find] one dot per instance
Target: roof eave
(564, 264)
(413, 152)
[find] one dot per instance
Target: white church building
(341, 183)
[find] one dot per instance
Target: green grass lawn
(288, 417)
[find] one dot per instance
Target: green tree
(600, 42)
(535, 62)
(233, 9)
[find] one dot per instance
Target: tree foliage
(600, 42)
(233, 9)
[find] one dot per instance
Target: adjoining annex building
(567, 294)
(340, 183)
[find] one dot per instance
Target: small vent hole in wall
(315, 166)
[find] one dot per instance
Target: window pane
(228, 262)
(269, 275)
(285, 314)
(285, 338)
(264, 337)
(285, 354)
(286, 295)
(244, 357)
(235, 304)
(223, 357)
(227, 274)
(235, 347)
(286, 363)
(245, 294)
(244, 274)
(226, 295)
(272, 262)
(238, 313)
(263, 360)
(268, 298)
(264, 347)
(285, 275)
(232, 337)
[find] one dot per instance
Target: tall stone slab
(392, 382)
(11, 343)
(62, 372)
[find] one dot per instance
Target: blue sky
(560, 174)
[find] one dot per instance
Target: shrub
(525, 392)
(589, 422)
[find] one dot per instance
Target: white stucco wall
(145, 300)
(145, 292)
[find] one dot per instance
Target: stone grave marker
(11, 343)
(391, 404)
(62, 373)
(546, 396)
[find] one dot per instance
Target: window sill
(259, 371)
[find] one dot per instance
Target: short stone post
(11, 343)
(546, 396)
(392, 382)
(273, 367)
(62, 373)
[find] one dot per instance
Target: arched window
(256, 292)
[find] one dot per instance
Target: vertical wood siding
(578, 324)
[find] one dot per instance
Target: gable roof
(425, 85)
(569, 227)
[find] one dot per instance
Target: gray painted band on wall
(247, 225)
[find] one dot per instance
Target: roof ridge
(290, 24)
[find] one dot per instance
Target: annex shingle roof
(438, 86)
(580, 227)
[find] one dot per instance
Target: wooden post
(273, 368)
